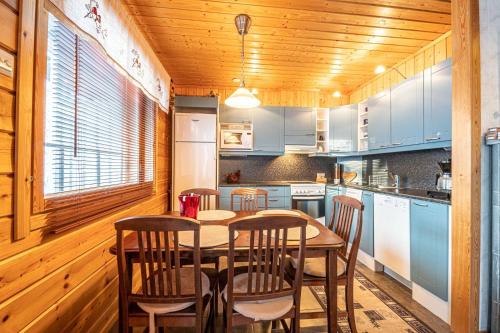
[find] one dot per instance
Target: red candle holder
(188, 205)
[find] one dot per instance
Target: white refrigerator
(195, 153)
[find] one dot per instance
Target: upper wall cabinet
(300, 126)
(343, 130)
(437, 102)
(269, 129)
(407, 112)
(379, 120)
(234, 115)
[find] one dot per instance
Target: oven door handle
(308, 198)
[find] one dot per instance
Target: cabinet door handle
(420, 204)
(397, 144)
(384, 146)
(272, 200)
(433, 139)
(195, 119)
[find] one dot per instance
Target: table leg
(331, 290)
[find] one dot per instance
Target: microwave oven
(237, 136)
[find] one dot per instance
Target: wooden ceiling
(292, 44)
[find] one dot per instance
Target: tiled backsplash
(416, 169)
(286, 167)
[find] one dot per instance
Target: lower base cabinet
(366, 244)
(429, 246)
(278, 197)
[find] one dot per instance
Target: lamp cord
(242, 83)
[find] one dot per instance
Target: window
(99, 127)
(95, 138)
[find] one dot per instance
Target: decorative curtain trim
(110, 24)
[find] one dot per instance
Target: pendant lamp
(242, 98)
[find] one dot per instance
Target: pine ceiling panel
(304, 44)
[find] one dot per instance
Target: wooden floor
(396, 290)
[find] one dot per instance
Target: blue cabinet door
(367, 232)
(429, 242)
(343, 129)
(331, 192)
(269, 129)
(379, 120)
(437, 102)
(407, 112)
(300, 126)
(234, 115)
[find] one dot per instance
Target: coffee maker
(443, 179)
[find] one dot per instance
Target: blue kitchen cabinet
(279, 197)
(379, 120)
(429, 246)
(437, 102)
(331, 192)
(300, 126)
(268, 129)
(366, 244)
(407, 112)
(343, 128)
(235, 115)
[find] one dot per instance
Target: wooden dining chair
(341, 222)
(169, 295)
(261, 290)
(247, 199)
(206, 195)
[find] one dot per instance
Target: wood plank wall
(66, 282)
(429, 55)
(272, 97)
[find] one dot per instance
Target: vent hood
(300, 149)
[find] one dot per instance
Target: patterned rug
(375, 311)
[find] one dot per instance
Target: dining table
(325, 244)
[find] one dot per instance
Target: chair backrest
(341, 222)
(269, 253)
(159, 259)
(205, 197)
(248, 198)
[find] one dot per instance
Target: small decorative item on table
(189, 204)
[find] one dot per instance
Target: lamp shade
(242, 98)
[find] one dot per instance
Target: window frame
(59, 209)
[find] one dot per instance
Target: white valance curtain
(111, 25)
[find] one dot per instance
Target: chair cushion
(187, 288)
(316, 266)
(269, 309)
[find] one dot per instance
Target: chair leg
(216, 294)
(349, 301)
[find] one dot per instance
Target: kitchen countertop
(265, 183)
(411, 193)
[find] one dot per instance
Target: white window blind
(99, 127)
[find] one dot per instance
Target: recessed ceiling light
(379, 69)
(337, 94)
(236, 80)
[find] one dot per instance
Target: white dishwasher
(392, 233)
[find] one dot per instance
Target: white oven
(309, 198)
(236, 136)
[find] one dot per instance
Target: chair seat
(187, 288)
(316, 266)
(269, 309)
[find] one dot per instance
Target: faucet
(396, 180)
